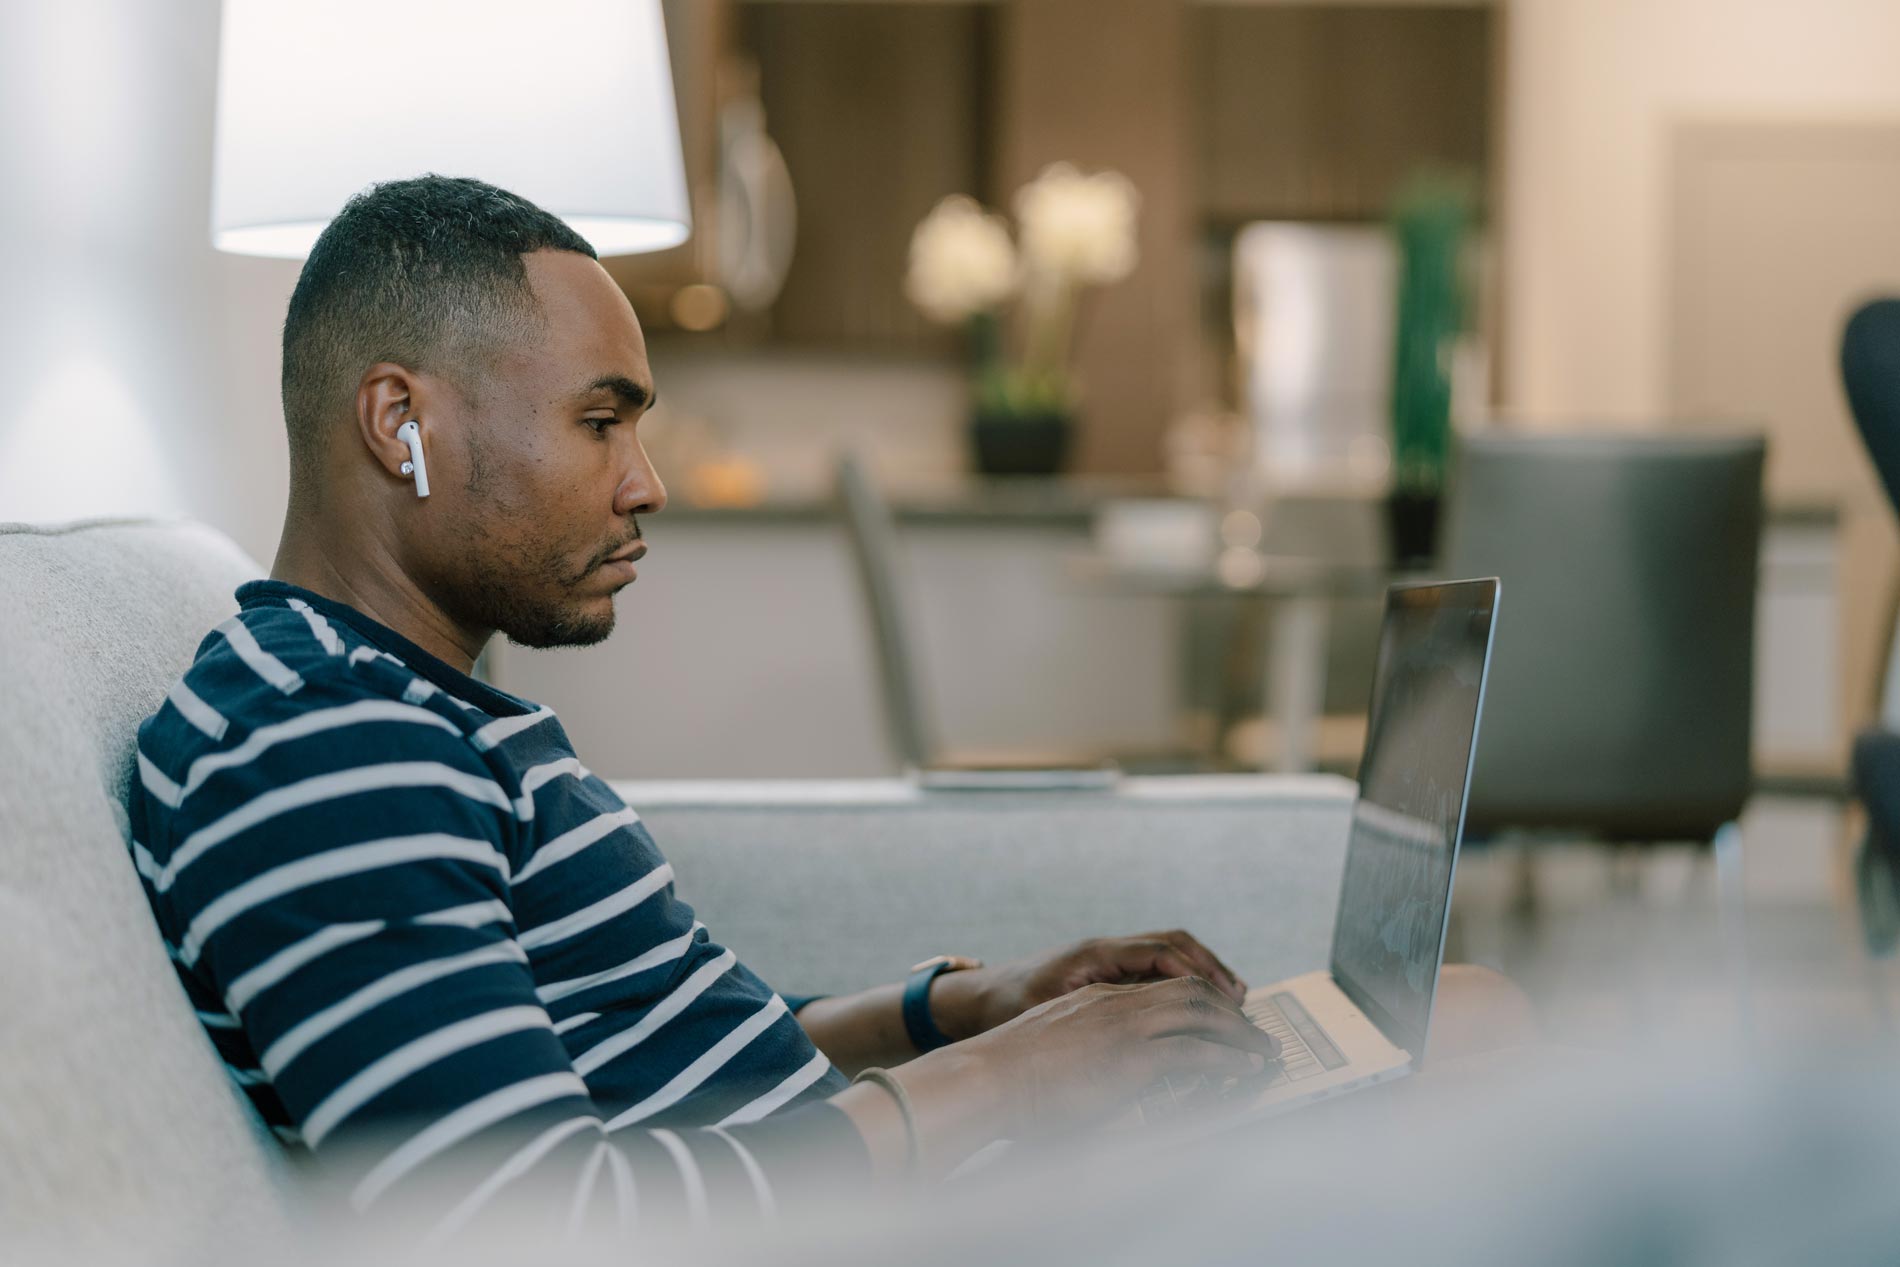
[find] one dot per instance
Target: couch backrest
(829, 887)
(116, 1118)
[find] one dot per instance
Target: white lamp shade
(568, 103)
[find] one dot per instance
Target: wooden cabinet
(1320, 112)
(880, 110)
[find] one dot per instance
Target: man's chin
(567, 629)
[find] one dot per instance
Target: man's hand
(965, 1004)
(1064, 1066)
(1062, 1041)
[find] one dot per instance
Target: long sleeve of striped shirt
(340, 880)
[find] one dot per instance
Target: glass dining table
(1299, 594)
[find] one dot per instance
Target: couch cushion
(116, 1118)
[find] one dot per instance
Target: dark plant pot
(1019, 444)
(1411, 524)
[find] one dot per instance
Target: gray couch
(118, 1128)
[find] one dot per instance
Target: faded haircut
(426, 273)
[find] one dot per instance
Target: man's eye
(600, 425)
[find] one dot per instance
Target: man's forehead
(592, 340)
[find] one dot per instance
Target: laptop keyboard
(1305, 1052)
(1304, 1048)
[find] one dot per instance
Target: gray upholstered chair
(1620, 697)
(115, 1113)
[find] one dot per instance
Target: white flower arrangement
(961, 261)
(1078, 228)
(1076, 231)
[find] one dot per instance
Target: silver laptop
(1364, 1019)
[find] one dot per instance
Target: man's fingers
(1195, 1007)
(1206, 962)
(1182, 1055)
(1196, 949)
(1149, 957)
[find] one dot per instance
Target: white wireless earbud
(411, 434)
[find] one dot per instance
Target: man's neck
(370, 579)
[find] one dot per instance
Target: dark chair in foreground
(1870, 373)
(1620, 699)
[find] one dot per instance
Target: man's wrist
(959, 1003)
(962, 1102)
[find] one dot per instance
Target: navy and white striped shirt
(408, 916)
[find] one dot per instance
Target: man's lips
(628, 554)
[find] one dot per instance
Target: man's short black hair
(426, 273)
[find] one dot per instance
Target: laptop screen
(1426, 690)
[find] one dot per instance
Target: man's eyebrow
(630, 393)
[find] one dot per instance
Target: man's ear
(387, 397)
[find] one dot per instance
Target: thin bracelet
(913, 1150)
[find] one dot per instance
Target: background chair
(873, 536)
(872, 532)
(1870, 373)
(1620, 700)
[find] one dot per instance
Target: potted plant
(1429, 220)
(1019, 301)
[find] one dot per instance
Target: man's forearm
(858, 1031)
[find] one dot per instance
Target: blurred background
(1238, 311)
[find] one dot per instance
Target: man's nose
(641, 492)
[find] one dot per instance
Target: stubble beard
(527, 623)
(501, 598)
(514, 597)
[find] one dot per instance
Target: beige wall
(1593, 86)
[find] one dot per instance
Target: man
(407, 914)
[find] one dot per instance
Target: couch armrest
(828, 887)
